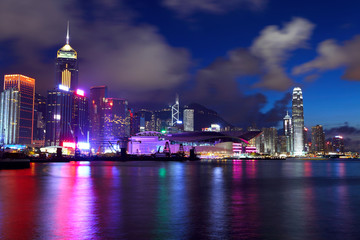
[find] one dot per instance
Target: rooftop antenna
(67, 33)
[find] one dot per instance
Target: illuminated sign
(84, 145)
(64, 88)
(69, 144)
(80, 92)
(57, 116)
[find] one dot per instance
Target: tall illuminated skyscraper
(66, 65)
(17, 109)
(67, 106)
(298, 121)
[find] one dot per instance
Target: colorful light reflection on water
(290, 199)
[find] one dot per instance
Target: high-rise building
(116, 122)
(298, 121)
(270, 140)
(188, 120)
(66, 66)
(17, 109)
(67, 106)
(9, 116)
(39, 120)
(80, 116)
(317, 139)
(98, 95)
(59, 117)
(338, 144)
(288, 133)
(175, 112)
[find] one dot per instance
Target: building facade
(9, 116)
(317, 139)
(116, 123)
(288, 133)
(298, 121)
(18, 105)
(59, 117)
(39, 120)
(188, 120)
(98, 94)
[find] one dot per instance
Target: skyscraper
(189, 120)
(298, 121)
(66, 66)
(175, 112)
(288, 133)
(67, 106)
(39, 120)
(80, 116)
(270, 140)
(17, 109)
(318, 139)
(338, 144)
(116, 121)
(59, 117)
(97, 115)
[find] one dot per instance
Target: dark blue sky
(223, 54)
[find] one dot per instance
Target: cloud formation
(332, 55)
(221, 83)
(114, 50)
(273, 47)
(188, 7)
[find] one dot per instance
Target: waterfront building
(66, 108)
(189, 120)
(116, 123)
(317, 139)
(338, 144)
(270, 140)
(59, 117)
(80, 117)
(288, 133)
(98, 95)
(66, 65)
(39, 128)
(298, 121)
(17, 109)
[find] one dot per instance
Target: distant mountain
(204, 117)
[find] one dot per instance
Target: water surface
(292, 199)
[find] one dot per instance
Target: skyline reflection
(174, 200)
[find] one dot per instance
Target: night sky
(240, 58)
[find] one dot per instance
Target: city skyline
(235, 63)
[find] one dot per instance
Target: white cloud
(332, 55)
(273, 47)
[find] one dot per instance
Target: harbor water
(262, 199)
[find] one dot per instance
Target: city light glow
(64, 88)
(69, 144)
(80, 92)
